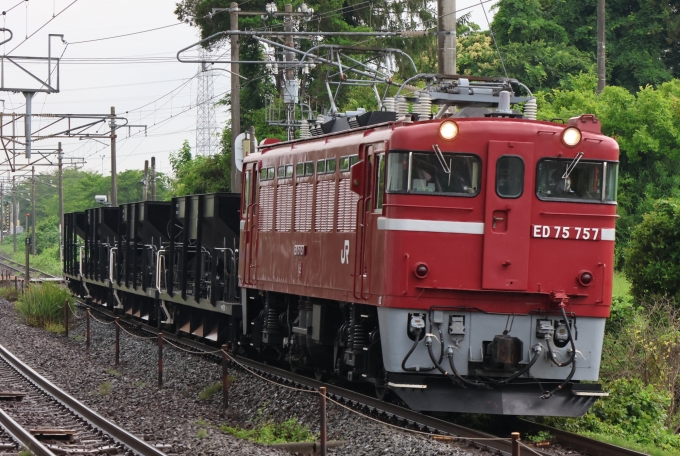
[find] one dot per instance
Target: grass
(9, 294)
(268, 433)
(202, 433)
(141, 384)
(43, 305)
(105, 389)
(621, 285)
(210, 391)
(25, 453)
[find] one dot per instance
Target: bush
(653, 253)
(43, 305)
(633, 412)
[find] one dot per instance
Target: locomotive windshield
(588, 181)
(423, 172)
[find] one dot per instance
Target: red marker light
(421, 270)
(585, 278)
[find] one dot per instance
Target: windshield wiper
(572, 165)
(442, 160)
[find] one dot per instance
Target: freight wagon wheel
(320, 375)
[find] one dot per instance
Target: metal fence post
(515, 443)
(160, 360)
(88, 329)
(66, 311)
(117, 340)
(322, 424)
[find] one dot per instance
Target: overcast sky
(138, 74)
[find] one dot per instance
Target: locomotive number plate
(566, 232)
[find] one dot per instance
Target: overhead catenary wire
(43, 26)
(127, 34)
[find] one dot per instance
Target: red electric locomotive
(463, 263)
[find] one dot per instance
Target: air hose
(413, 347)
(449, 354)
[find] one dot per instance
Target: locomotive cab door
(370, 187)
(507, 225)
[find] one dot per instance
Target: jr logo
(344, 253)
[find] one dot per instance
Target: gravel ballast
(128, 395)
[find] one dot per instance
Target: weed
(9, 294)
(105, 389)
(141, 384)
(78, 337)
(113, 373)
(210, 391)
(42, 305)
(542, 436)
(25, 453)
(268, 433)
(56, 328)
(202, 433)
(202, 422)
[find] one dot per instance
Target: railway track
(38, 416)
(392, 413)
(19, 269)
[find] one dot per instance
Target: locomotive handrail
(363, 247)
(358, 249)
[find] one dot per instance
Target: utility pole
(446, 40)
(235, 98)
(153, 178)
(601, 70)
(32, 210)
(290, 88)
(145, 189)
(15, 212)
(114, 177)
(61, 203)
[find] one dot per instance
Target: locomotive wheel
(382, 391)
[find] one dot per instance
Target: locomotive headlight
(448, 130)
(571, 136)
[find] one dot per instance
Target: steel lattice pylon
(207, 131)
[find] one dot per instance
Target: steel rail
(578, 442)
(19, 267)
(114, 431)
(501, 447)
(22, 436)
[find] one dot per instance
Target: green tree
(641, 36)
(653, 253)
(201, 174)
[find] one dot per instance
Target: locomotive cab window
(567, 180)
(510, 176)
(427, 173)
